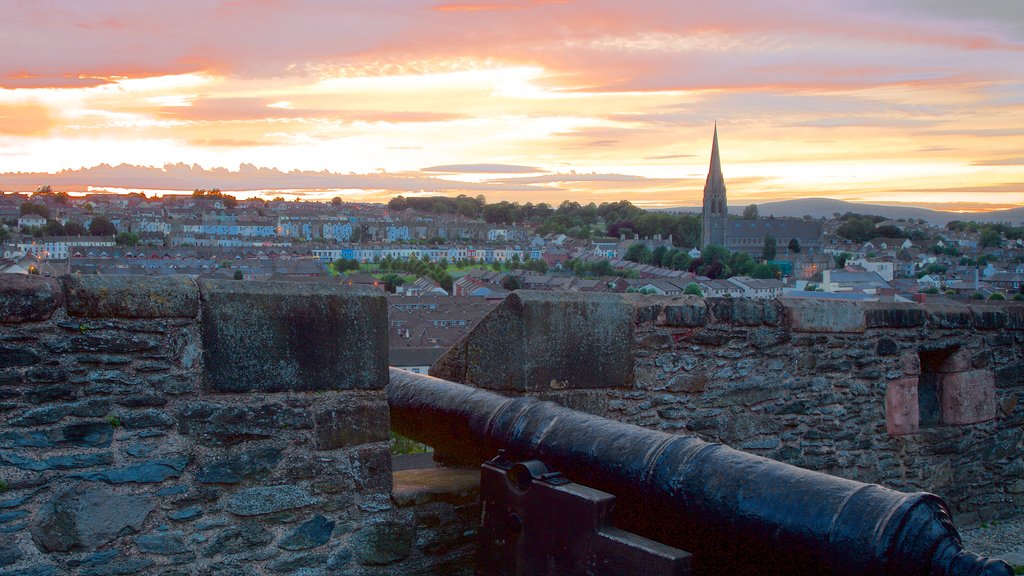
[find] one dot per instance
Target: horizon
(910, 105)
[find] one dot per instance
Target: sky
(891, 101)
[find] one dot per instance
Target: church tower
(714, 216)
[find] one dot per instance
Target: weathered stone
(146, 419)
(968, 397)
(688, 311)
(254, 463)
(28, 298)
(9, 553)
(988, 317)
(946, 314)
(129, 566)
(88, 434)
(38, 570)
(41, 415)
(275, 336)
(154, 471)
(218, 425)
(382, 542)
(744, 311)
(547, 341)
(808, 315)
(90, 408)
(761, 338)
(902, 415)
(237, 539)
(83, 518)
(100, 296)
(268, 499)
(14, 356)
(886, 347)
(163, 543)
(297, 562)
(351, 423)
(69, 462)
(118, 343)
(140, 400)
(312, 533)
(50, 394)
(190, 513)
(910, 362)
(893, 314)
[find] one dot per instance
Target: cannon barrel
(732, 510)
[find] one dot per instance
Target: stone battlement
(914, 397)
(156, 425)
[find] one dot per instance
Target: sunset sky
(918, 101)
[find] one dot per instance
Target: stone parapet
(913, 396)
(160, 426)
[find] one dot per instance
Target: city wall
(914, 397)
(153, 425)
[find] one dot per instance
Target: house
(883, 268)
(758, 288)
(852, 281)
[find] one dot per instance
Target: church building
(748, 235)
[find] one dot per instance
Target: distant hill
(818, 207)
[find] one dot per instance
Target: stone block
(281, 336)
(745, 311)
(807, 315)
(540, 341)
(1014, 316)
(269, 499)
(968, 397)
(28, 298)
(351, 423)
(902, 415)
(947, 314)
(95, 296)
(988, 316)
(83, 518)
(893, 314)
(686, 311)
(910, 361)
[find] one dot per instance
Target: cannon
(735, 512)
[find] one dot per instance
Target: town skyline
(521, 101)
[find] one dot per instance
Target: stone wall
(157, 426)
(915, 397)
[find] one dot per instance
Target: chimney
(622, 236)
(920, 298)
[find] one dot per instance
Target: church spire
(715, 179)
(716, 207)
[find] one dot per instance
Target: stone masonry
(155, 426)
(914, 397)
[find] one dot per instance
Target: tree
(100, 226)
(769, 248)
(693, 289)
(857, 229)
(336, 201)
(750, 212)
(237, 275)
(73, 228)
(794, 246)
(990, 236)
(681, 261)
(511, 283)
(996, 296)
(392, 281)
(54, 228)
(764, 271)
(841, 259)
(31, 208)
(890, 232)
(230, 202)
(127, 239)
(658, 256)
(639, 253)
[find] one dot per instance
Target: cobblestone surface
(1001, 539)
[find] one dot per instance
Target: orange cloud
(24, 120)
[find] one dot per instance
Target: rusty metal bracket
(539, 523)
